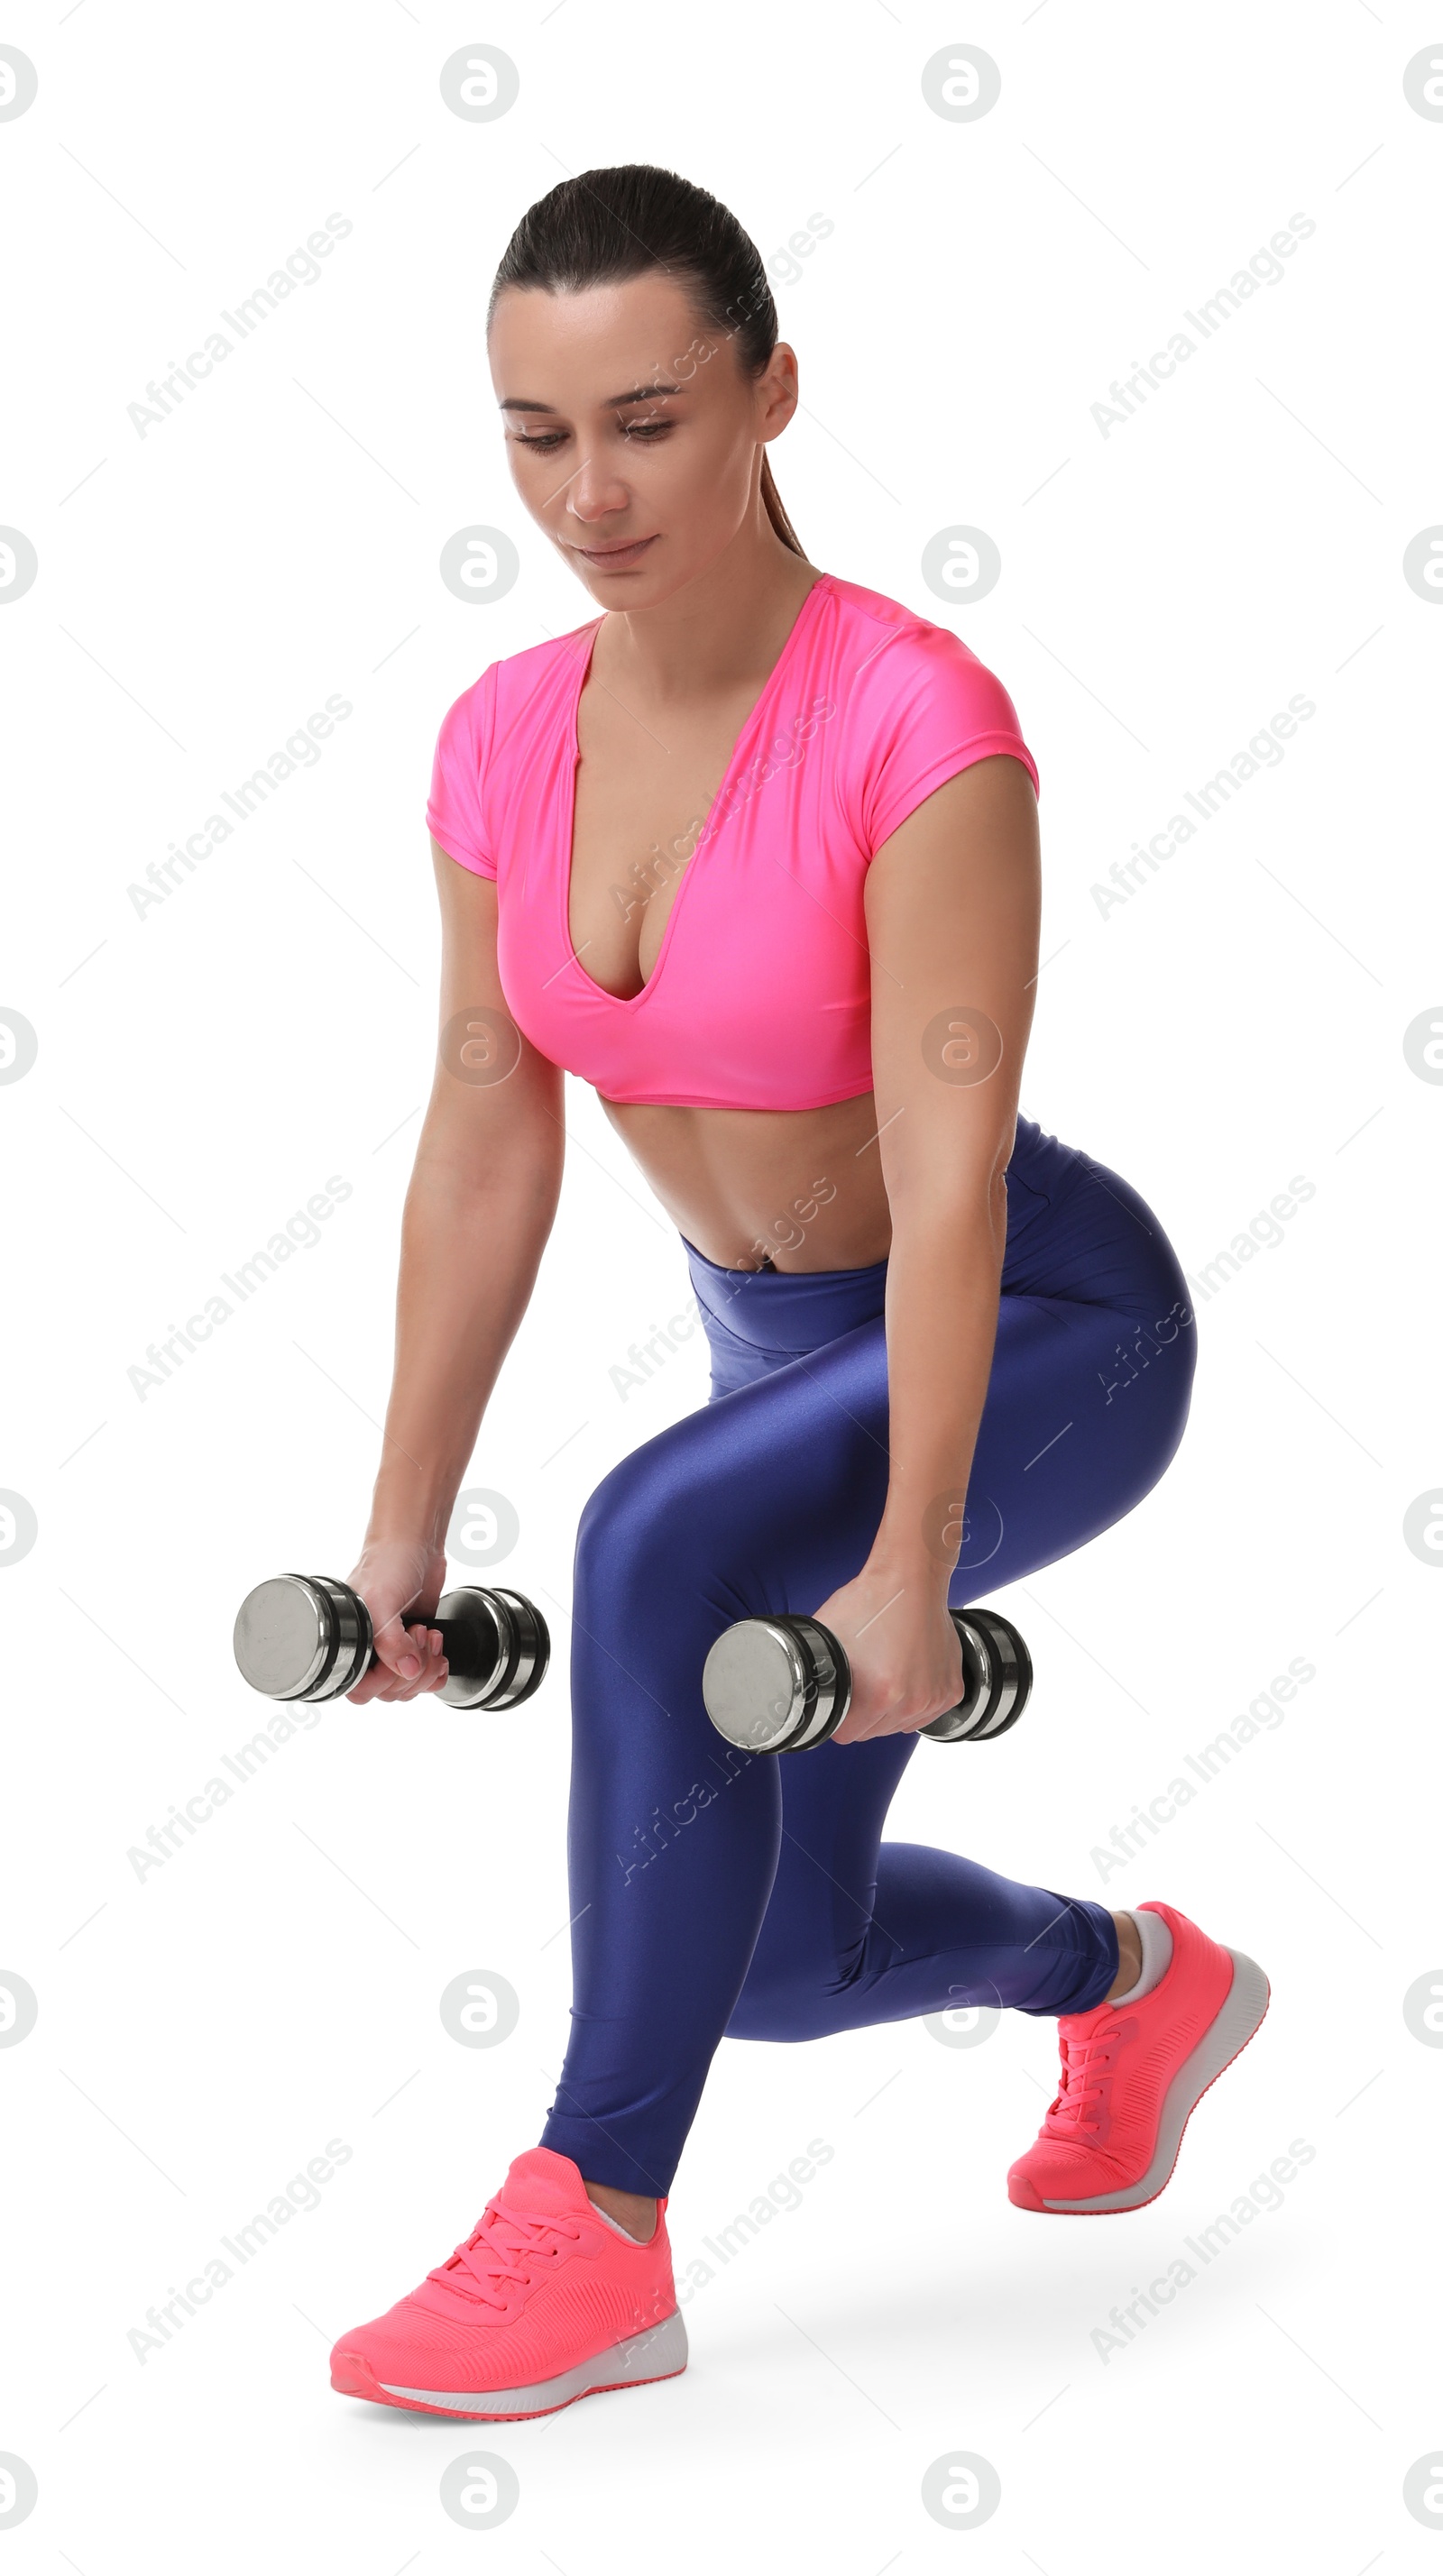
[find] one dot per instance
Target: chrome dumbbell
(782, 1685)
(305, 1636)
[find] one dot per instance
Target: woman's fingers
(852, 1732)
(397, 1650)
(409, 1661)
(404, 1649)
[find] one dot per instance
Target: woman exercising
(754, 851)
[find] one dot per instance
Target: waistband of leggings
(797, 1310)
(784, 1310)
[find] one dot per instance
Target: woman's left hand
(905, 1654)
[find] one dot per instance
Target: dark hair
(626, 222)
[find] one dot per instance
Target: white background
(205, 1068)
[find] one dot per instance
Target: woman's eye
(542, 443)
(645, 430)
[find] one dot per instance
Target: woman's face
(633, 434)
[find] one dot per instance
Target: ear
(777, 391)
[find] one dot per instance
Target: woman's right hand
(400, 1582)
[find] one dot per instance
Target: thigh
(760, 1502)
(1091, 1378)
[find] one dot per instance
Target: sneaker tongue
(542, 2182)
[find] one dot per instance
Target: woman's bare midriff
(801, 1187)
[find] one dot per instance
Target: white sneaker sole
(659, 2353)
(1221, 2042)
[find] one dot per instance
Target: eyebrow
(612, 402)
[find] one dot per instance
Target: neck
(723, 630)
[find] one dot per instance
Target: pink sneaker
(544, 2303)
(1132, 2075)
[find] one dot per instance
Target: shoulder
(894, 649)
(918, 705)
(528, 679)
(505, 728)
(541, 669)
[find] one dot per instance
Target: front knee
(621, 1526)
(660, 1528)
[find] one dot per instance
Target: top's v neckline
(567, 853)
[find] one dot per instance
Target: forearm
(471, 1245)
(943, 1283)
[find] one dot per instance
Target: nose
(595, 491)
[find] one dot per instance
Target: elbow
(962, 1212)
(511, 1169)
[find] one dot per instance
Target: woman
(755, 852)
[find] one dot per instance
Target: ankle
(1144, 1955)
(631, 2211)
(1129, 1958)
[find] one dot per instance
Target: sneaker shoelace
(1086, 2060)
(500, 2249)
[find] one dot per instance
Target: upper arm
(953, 903)
(492, 1089)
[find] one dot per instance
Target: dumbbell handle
(943, 1727)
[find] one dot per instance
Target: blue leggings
(720, 1893)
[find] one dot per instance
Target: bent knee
(1145, 1381)
(780, 2016)
(653, 1524)
(800, 1999)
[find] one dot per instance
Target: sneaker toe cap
(1052, 2172)
(406, 2347)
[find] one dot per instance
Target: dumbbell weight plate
(998, 1673)
(980, 1686)
(497, 1647)
(1015, 1667)
(776, 1685)
(300, 1636)
(529, 1650)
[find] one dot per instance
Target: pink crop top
(760, 997)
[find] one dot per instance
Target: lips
(635, 547)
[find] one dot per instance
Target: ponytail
(772, 502)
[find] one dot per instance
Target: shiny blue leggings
(719, 1893)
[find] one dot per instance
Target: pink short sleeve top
(760, 997)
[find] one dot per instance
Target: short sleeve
(454, 809)
(923, 709)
